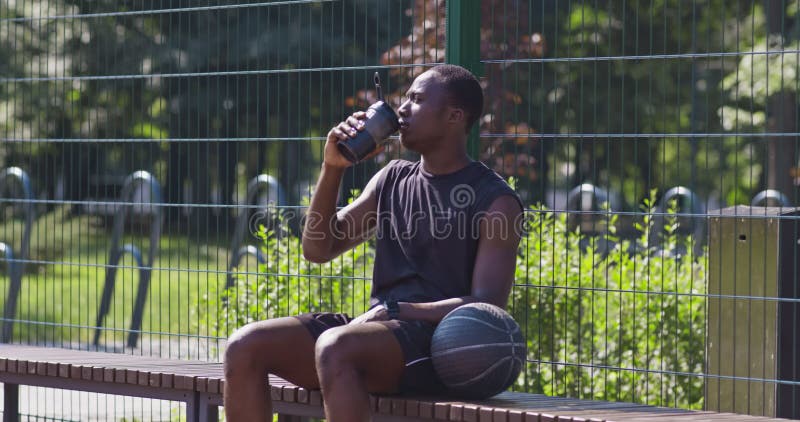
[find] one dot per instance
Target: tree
(613, 93)
(191, 95)
(509, 144)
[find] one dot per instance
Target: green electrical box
(752, 353)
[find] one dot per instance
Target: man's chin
(407, 142)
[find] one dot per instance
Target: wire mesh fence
(158, 156)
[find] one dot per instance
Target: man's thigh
(283, 345)
(372, 349)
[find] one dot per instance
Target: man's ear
(456, 115)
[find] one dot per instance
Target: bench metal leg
(209, 412)
(10, 403)
(192, 407)
(208, 405)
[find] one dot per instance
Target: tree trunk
(782, 150)
(781, 112)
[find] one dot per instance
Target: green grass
(61, 294)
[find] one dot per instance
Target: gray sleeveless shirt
(427, 230)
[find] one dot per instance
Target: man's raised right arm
(328, 233)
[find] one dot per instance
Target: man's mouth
(403, 125)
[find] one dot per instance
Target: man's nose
(403, 110)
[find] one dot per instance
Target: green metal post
(464, 47)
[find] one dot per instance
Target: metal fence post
(10, 402)
(463, 47)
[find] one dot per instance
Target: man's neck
(445, 161)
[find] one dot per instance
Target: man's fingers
(339, 134)
(348, 129)
(356, 123)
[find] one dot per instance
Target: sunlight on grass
(62, 284)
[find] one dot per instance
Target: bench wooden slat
(426, 409)
(384, 405)
(201, 384)
(456, 412)
(515, 416)
(155, 379)
(144, 378)
(98, 373)
(63, 370)
(546, 417)
(500, 415)
(131, 376)
(52, 369)
(412, 407)
(289, 394)
(275, 392)
(167, 380)
(74, 372)
(469, 413)
(183, 382)
(441, 411)
(213, 386)
(302, 395)
(398, 406)
(22, 366)
(86, 372)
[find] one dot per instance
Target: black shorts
(414, 337)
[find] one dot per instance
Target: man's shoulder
(398, 166)
(489, 178)
(391, 172)
(401, 163)
(489, 186)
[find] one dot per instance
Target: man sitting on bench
(447, 233)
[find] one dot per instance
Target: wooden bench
(200, 386)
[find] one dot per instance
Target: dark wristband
(392, 308)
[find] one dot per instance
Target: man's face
(423, 114)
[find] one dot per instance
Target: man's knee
(371, 356)
(237, 353)
(243, 354)
(334, 350)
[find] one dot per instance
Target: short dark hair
(463, 89)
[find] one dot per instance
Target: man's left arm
(495, 264)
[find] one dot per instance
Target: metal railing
(245, 221)
(15, 263)
(140, 179)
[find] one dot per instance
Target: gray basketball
(478, 350)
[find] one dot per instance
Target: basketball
(478, 350)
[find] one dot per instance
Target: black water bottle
(381, 122)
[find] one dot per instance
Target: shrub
(627, 325)
(287, 284)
